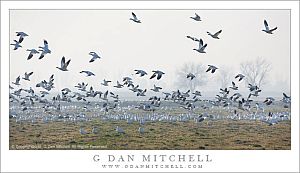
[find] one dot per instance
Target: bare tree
(198, 70)
(225, 76)
(256, 71)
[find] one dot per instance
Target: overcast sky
(158, 43)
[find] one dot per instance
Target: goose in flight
(135, 19)
(215, 35)
(16, 44)
(201, 47)
(211, 68)
(267, 29)
(64, 64)
(196, 18)
(156, 88)
(240, 76)
(94, 56)
(88, 73)
(31, 52)
(27, 75)
(105, 82)
(141, 92)
(21, 35)
(192, 38)
(17, 81)
(190, 75)
(141, 72)
(118, 85)
(157, 73)
(234, 87)
(44, 50)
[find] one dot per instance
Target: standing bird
(211, 68)
(94, 56)
(267, 29)
(27, 75)
(16, 44)
(88, 73)
(31, 52)
(17, 81)
(196, 18)
(240, 76)
(157, 73)
(190, 75)
(21, 35)
(64, 64)
(201, 47)
(44, 50)
(215, 35)
(135, 19)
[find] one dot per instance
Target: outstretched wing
(134, 16)
(217, 33)
(266, 25)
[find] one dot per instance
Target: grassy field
(216, 135)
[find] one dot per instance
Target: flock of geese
(29, 105)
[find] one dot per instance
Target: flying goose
(88, 73)
(141, 72)
(118, 85)
(157, 73)
(190, 75)
(196, 18)
(215, 35)
(141, 92)
(31, 52)
(27, 75)
(135, 19)
(201, 47)
(267, 29)
(156, 88)
(192, 38)
(105, 82)
(16, 44)
(21, 35)
(94, 56)
(240, 76)
(17, 81)
(211, 68)
(64, 64)
(44, 50)
(234, 87)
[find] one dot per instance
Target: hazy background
(158, 43)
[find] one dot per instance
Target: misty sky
(158, 43)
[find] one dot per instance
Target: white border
(76, 161)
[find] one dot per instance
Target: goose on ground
(64, 64)
(88, 73)
(267, 29)
(211, 68)
(27, 75)
(135, 19)
(31, 53)
(16, 44)
(215, 35)
(201, 47)
(157, 73)
(141, 72)
(94, 56)
(21, 35)
(141, 130)
(196, 18)
(119, 130)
